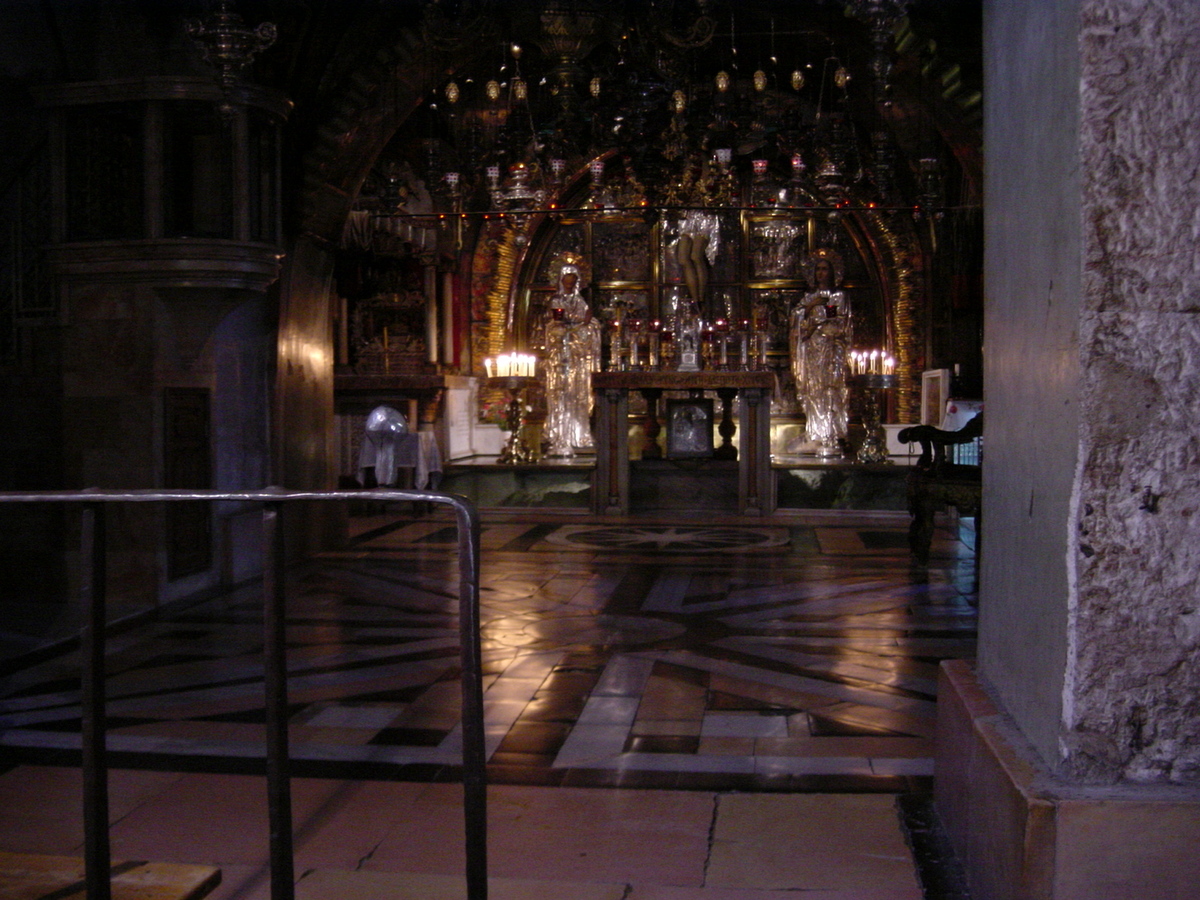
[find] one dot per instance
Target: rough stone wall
(1132, 695)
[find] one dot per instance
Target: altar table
(755, 494)
(386, 453)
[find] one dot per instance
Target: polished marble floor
(791, 657)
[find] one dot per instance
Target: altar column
(756, 488)
(611, 489)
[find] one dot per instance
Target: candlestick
(614, 348)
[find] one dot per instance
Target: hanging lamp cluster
(580, 112)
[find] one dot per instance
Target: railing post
(97, 851)
(95, 766)
(474, 749)
(279, 794)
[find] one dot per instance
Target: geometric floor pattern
(799, 655)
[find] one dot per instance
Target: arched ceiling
(368, 77)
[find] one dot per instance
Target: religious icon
(689, 428)
(573, 339)
(820, 335)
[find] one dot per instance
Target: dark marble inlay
(662, 743)
(408, 737)
(526, 541)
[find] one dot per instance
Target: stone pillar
(1069, 758)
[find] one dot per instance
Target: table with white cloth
(387, 454)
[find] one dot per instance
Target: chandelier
(653, 116)
(228, 45)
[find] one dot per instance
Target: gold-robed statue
(820, 335)
(572, 340)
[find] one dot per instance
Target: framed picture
(689, 428)
(935, 391)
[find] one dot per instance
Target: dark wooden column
(756, 488)
(610, 492)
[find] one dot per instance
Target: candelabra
(513, 373)
(869, 386)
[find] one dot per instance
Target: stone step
(30, 876)
(328, 884)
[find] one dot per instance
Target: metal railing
(92, 637)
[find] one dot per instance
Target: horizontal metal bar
(272, 495)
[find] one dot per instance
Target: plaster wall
(125, 343)
(1032, 295)
(219, 339)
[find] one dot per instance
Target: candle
(431, 314)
